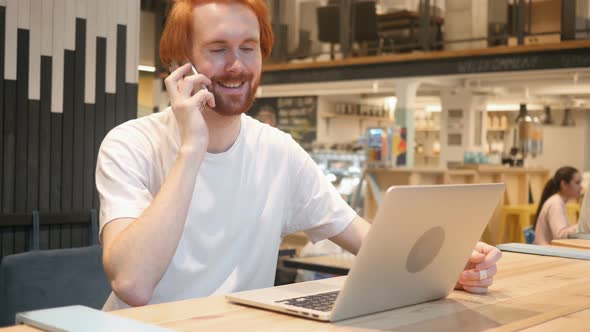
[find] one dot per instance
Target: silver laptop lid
(419, 242)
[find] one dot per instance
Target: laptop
(79, 318)
(414, 252)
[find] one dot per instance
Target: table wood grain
(537, 293)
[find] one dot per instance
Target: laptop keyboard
(320, 302)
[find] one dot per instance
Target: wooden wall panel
(45, 136)
(33, 150)
(2, 108)
(10, 41)
(69, 18)
(9, 145)
(68, 131)
(132, 60)
(110, 108)
(35, 49)
(111, 75)
(90, 70)
(121, 55)
(78, 143)
(56, 161)
(99, 111)
(89, 163)
(47, 27)
(57, 79)
(67, 76)
(24, 14)
(22, 106)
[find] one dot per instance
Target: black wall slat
(131, 100)
(45, 135)
(20, 239)
(56, 161)
(79, 115)
(44, 237)
(99, 116)
(66, 236)
(2, 108)
(109, 111)
(78, 232)
(121, 113)
(33, 157)
(89, 163)
(7, 241)
(9, 146)
(22, 100)
(68, 131)
(55, 237)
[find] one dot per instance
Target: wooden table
(535, 293)
(572, 243)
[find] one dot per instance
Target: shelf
(356, 117)
(426, 156)
(427, 130)
(498, 129)
(360, 118)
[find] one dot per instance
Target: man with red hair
(195, 199)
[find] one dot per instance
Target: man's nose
(233, 62)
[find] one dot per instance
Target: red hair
(176, 37)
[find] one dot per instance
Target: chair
(51, 278)
(329, 26)
(21, 232)
(519, 217)
(529, 234)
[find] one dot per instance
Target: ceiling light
(433, 108)
(502, 107)
(389, 103)
(375, 87)
(150, 69)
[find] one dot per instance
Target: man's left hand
(480, 269)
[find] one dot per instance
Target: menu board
(294, 115)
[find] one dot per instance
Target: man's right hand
(188, 107)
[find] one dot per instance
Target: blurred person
(551, 218)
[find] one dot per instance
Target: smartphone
(174, 65)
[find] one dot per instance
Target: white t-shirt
(246, 199)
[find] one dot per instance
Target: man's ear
(173, 66)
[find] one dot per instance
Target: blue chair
(529, 234)
(42, 279)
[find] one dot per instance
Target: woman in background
(584, 221)
(552, 222)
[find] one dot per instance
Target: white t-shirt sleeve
(122, 176)
(317, 207)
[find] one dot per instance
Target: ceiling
(557, 88)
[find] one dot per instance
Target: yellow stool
(519, 217)
(573, 212)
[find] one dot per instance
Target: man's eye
(218, 50)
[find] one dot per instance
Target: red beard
(229, 105)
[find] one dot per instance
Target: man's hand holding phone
(188, 104)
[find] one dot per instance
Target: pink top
(552, 222)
